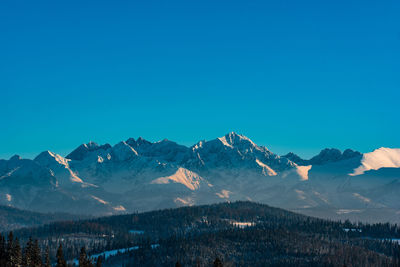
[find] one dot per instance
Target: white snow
(352, 230)
(300, 194)
(187, 202)
(58, 165)
(266, 169)
(100, 200)
(119, 208)
(182, 176)
(242, 224)
(122, 151)
(302, 171)
(59, 158)
(10, 173)
(347, 211)
(206, 173)
(362, 198)
(223, 140)
(224, 193)
(379, 158)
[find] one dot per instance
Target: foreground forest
(227, 234)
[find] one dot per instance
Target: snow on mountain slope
(163, 150)
(17, 171)
(266, 169)
(379, 158)
(182, 176)
(59, 166)
(234, 152)
(303, 171)
(143, 175)
(122, 152)
(326, 155)
(83, 150)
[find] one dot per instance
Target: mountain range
(139, 175)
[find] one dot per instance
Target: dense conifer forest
(227, 234)
(13, 218)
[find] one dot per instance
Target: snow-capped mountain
(137, 174)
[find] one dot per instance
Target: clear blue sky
(291, 75)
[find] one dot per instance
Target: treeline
(195, 236)
(12, 254)
(13, 218)
(258, 246)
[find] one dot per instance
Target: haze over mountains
(138, 175)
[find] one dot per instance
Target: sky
(291, 75)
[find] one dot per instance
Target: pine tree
(16, 254)
(9, 247)
(82, 257)
(3, 253)
(60, 257)
(28, 251)
(98, 262)
(84, 261)
(218, 263)
(36, 257)
(47, 262)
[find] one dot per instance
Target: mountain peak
(379, 158)
(332, 155)
(123, 151)
(47, 157)
(231, 139)
(139, 142)
(81, 151)
(295, 158)
(91, 145)
(15, 157)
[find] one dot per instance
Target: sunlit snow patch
(302, 171)
(362, 198)
(242, 224)
(224, 193)
(99, 200)
(182, 176)
(379, 158)
(266, 169)
(186, 202)
(223, 140)
(347, 211)
(119, 208)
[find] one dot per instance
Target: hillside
(240, 234)
(12, 218)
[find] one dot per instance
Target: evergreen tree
(9, 247)
(3, 253)
(84, 261)
(60, 257)
(98, 262)
(28, 253)
(16, 254)
(36, 255)
(218, 263)
(47, 262)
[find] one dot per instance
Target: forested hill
(240, 234)
(12, 218)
